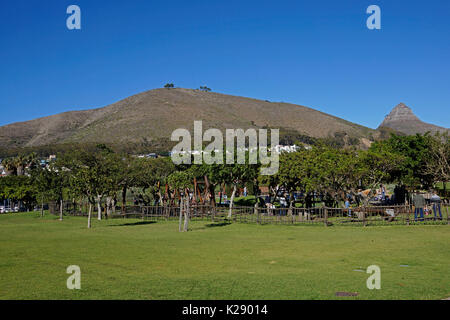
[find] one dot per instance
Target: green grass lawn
(131, 259)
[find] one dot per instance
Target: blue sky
(314, 53)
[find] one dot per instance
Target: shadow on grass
(219, 224)
(139, 223)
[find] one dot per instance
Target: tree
(295, 173)
(169, 85)
(93, 175)
(182, 182)
(415, 151)
(18, 189)
(129, 172)
(23, 161)
(376, 167)
(338, 171)
(59, 181)
(205, 89)
(10, 167)
(212, 175)
(19, 163)
(231, 174)
(437, 163)
(238, 174)
(152, 175)
(50, 185)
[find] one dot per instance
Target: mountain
(153, 115)
(404, 120)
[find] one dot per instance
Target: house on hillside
(148, 156)
(281, 148)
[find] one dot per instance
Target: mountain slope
(154, 114)
(402, 119)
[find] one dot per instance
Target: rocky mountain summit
(402, 119)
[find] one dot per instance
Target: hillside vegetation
(150, 117)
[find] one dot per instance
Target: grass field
(132, 259)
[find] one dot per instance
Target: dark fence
(363, 216)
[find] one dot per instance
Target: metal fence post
(408, 211)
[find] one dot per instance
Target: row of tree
(103, 177)
(202, 88)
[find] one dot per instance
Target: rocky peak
(400, 113)
(402, 119)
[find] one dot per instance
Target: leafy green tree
(182, 182)
(238, 174)
(50, 184)
(10, 167)
(19, 189)
(378, 166)
(94, 175)
(23, 161)
(337, 172)
(129, 172)
(415, 151)
(294, 173)
(437, 162)
(151, 176)
(18, 164)
(213, 175)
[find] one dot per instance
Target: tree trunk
(106, 211)
(61, 210)
(186, 216)
(90, 215)
(20, 170)
(124, 198)
(256, 211)
(181, 214)
(273, 193)
(99, 207)
(291, 203)
(166, 198)
(230, 212)
(108, 206)
(211, 189)
(160, 199)
(220, 197)
(42, 206)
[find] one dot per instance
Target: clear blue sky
(315, 53)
